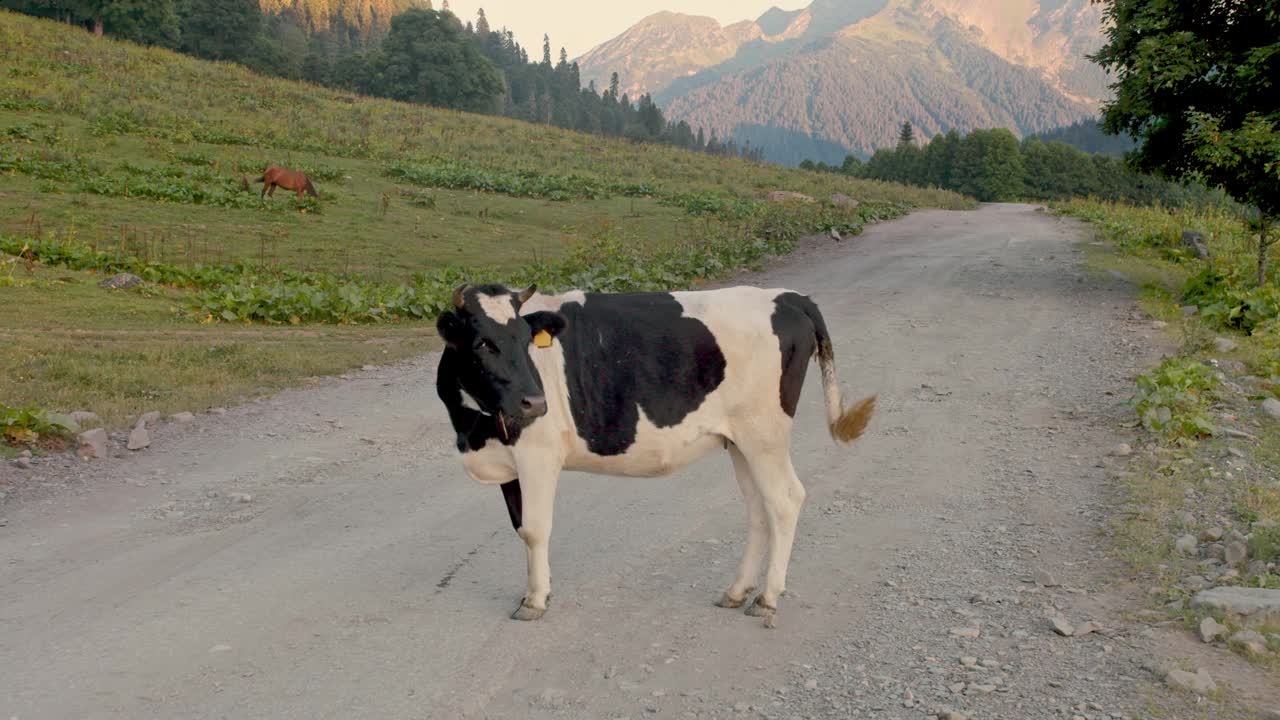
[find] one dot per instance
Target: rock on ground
(1271, 406)
(1251, 641)
(1213, 534)
(844, 201)
(1222, 344)
(1045, 578)
(1211, 630)
(182, 417)
(1062, 627)
(1199, 681)
(1236, 553)
(784, 196)
(1195, 241)
(120, 281)
(1247, 606)
(148, 418)
(1186, 545)
(139, 438)
(92, 444)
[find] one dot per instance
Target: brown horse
(274, 177)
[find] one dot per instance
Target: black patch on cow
(800, 330)
(474, 428)
(511, 493)
(634, 350)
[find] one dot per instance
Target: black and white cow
(637, 385)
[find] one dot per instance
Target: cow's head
(491, 342)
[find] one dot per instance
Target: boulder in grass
(121, 281)
(1195, 241)
(844, 201)
(786, 196)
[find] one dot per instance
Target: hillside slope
(841, 75)
(82, 118)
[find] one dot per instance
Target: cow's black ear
(449, 325)
(552, 322)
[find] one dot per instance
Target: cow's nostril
(534, 406)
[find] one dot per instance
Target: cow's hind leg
(757, 535)
(538, 491)
(782, 495)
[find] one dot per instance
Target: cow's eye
(487, 346)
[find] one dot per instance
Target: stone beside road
(92, 444)
(1251, 607)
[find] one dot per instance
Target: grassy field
(67, 344)
(67, 97)
(141, 154)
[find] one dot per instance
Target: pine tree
(613, 85)
(482, 24)
(546, 50)
(906, 134)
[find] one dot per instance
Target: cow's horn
(527, 293)
(458, 300)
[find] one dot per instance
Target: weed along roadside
(1199, 491)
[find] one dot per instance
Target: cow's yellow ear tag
(542, 339)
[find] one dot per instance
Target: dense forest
(400, 49)
(1087, 135)
(993, 165)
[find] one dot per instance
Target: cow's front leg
(538, 493)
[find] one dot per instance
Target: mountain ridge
(840, 76)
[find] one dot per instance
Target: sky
(579, 25)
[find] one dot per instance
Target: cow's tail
(846, 424)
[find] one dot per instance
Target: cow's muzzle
(533, 406)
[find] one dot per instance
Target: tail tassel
(853, 421)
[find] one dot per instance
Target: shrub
(458, 175)
(1264, 544)
(1172, 400)
(1224, 294)
(27, 425)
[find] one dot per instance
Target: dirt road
(358, 574)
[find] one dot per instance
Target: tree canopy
(428, 58)
(992, 165)
(1196, 83)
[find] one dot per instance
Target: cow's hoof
(525, 612)
(727, 601)
(758, 609)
